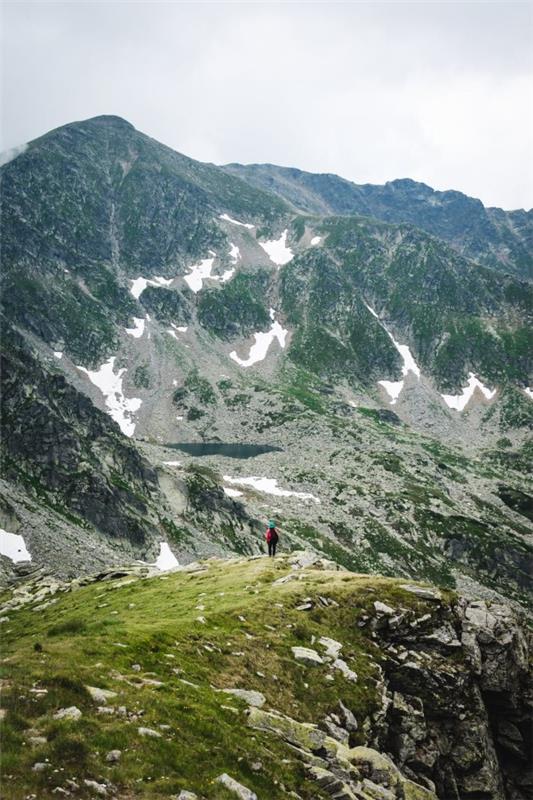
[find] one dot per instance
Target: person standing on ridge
(272, 537)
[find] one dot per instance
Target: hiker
(272, 537)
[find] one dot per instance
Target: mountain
(358, 379)
(252, 678)
(499, 239)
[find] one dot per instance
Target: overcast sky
(438, 92)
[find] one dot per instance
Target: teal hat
(271, 523)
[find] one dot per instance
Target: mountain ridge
(462, 220)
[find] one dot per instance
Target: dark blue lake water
(224, 449)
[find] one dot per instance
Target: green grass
(157, 620)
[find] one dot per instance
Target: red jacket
(271, 535)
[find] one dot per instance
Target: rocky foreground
(252, 678)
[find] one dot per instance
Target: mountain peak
(107, 119)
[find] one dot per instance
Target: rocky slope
(385, 376)
(500, 239)
(255, 678)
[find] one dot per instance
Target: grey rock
(99, 788)
(382, 608)
(343, 667)
(149, 732)
(307, 655)
(113, 756)
(240, 791)
(251, 697)
(419, 591)
(68, 713)
(100, 696)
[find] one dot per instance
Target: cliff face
(290, 677)
(458, 707)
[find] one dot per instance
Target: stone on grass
(40, 766)
(113, 756)
(343, 667)
(149, 732)
(301, 734)
(185, 795)
(331, 646)
(99, 788)
(249, 696)
(424, 594)
(381, 608)
(240, 791)
(72, 712)
(307, 655)
(100, 696)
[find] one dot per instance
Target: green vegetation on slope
(228, 625)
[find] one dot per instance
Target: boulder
(422, 592)
(149, 732)
(300, 734)
(307, 655)
(240, 791)
(343, 667)
(100, 696)
(251, 697)
(331, 646)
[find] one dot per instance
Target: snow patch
(138, 328)
(232, 492)
(139, 284)
(172, 331)
(269, 486)
(13, 546)
(459, 401)
(529, 391)
(262, 343)
(234, 252)
(166, 558)
(227, 275)
(172, 463)
(227, 218)
(394, 388)
(198, 274)
(58, 354)
(119, 407)
(316, 240)
(12, 153)
(277, 250)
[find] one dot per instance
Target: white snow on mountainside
(227, 218)
(262, 343)
(394, 388)
(277, 250)
(459, 401)
(119, 407)
(13, 546)
(269, 486)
